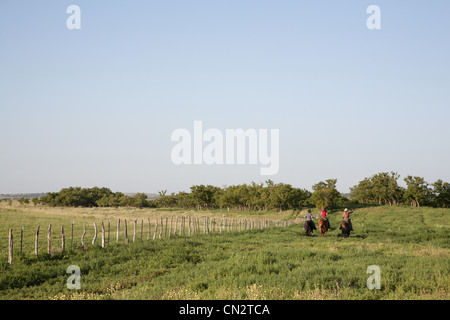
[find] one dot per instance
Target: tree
(381, 188)
(140, 200)
(441, 194)
(23, 200)
(205, 196)
(325, 194)
(417, 192)
(35, 201)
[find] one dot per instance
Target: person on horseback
(309, 219)
(346, 216)
(324, 215)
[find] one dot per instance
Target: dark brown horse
(324, 225)
(345, 226)
(308, 227)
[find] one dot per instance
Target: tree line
(243, 197)
(92, 197)
(382, 188)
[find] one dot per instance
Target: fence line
(164, 228)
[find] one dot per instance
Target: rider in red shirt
(324, 213)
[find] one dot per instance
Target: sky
(96, 106)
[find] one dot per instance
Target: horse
(345, 226)
(308, 228)
(324, 225)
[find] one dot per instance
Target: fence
(157, 228)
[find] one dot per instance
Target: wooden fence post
(49, 240)
(95, 234)
(126, 232)
(103, 235)
(63, 239)
(156, 228)
(161, 228)
(176, 226)
(189, 222)
(142, 227)
(207, 225)
(183, 224)
(149, 229)
(10, 246)
(36, 243)
(170, 228)
(165, 232)
(118, 228)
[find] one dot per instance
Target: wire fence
(45, 241)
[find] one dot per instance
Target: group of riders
(324, 218)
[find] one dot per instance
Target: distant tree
(417, 192)
(441, 194)
(284, 196)
(35, 201)
(325, 194)
(23, 200)
(162, 193)
(229, 198)
(181, 200)
(381, 188)
(363, 192)
(205, 196)
(140, 200)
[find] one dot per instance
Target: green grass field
(409, 245)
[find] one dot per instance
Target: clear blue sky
(97, 106)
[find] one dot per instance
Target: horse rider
(346, 216)
(324, 214)
(309, 219)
